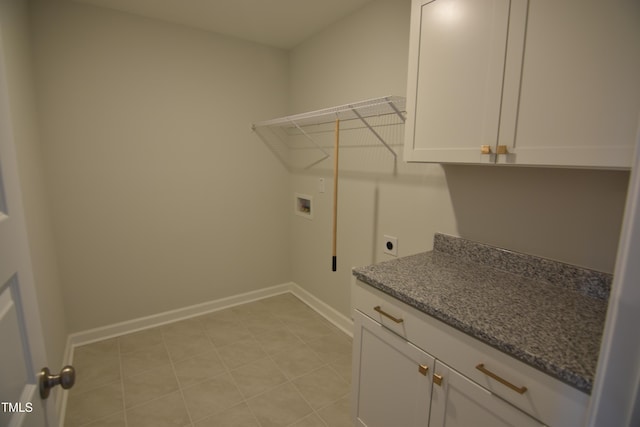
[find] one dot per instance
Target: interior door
(22, 352)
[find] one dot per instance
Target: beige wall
(162, 195)
(569, 215)
(15, 38)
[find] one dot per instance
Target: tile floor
(269, 363)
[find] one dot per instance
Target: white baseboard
(341, 321)
(142, 323)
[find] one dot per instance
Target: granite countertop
(547, 314)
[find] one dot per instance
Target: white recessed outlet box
(390, 245)
(303, 205)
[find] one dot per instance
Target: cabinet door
(464, 68)
(391, 378)
(459, 402)
(580, 95)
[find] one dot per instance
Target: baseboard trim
(341, 321)
(147, 322)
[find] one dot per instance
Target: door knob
(66, 379)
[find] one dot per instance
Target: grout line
(244, 319)
(287, 379)
(175, 376)
(124, 405)
(314, 411)
(255, 416)
(233, 380)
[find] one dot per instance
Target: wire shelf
(293, 139)
(354, 111)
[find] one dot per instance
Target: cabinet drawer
(546, 399)
(389, 313)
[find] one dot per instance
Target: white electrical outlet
(390, 244)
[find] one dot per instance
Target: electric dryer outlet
(390, 245)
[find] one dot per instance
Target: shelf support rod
(282, 158)
(395, 109)
(309, 138)
(362, 119)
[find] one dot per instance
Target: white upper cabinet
(580, 95)
(460, 54)
(548, 83)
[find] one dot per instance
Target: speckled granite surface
(547, 314)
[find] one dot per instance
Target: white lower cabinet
(459, 402)
(398, 384)
(410, 369)
(393, 378)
